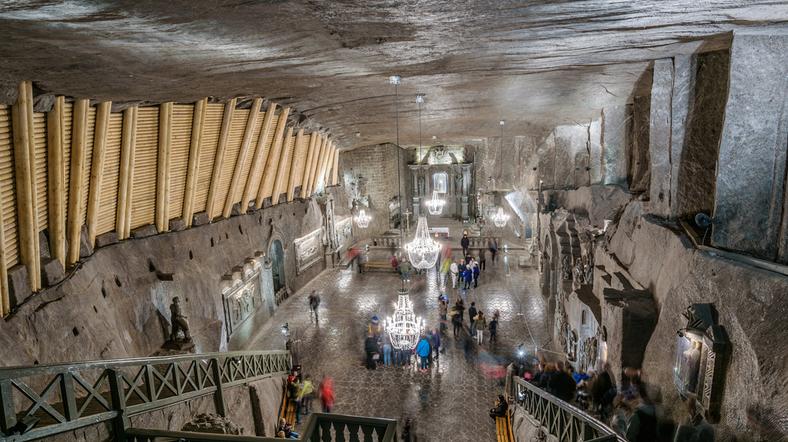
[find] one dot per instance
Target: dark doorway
(277, 255)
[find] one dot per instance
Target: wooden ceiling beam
(79, 129)
(56, 189)
(218, 162)
(270, 170)
(246, 142)
(297, 168)
(96, 168)
(282, 170)
(259, 159)
(126, 172)
(313, 139)
(163, 167)
(198, 120)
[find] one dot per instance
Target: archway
(277, 255)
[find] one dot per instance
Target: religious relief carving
(242, 294)
(308, 250)
(344, 230)
(566, 268)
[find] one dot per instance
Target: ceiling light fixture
(435, 205)
(423, 250)
(362, 219)
(500, 218)
(404, 327)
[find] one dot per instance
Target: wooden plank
(314, 137)
(56, 181)
(96, 168)
(316, 164)
(284, 166)
(218, 162)
(272, 163)
(296, 170)
(126, 173)
(335, 169)
(74, 214)
(5, 299)
(251, 123)
(194, 161)
(163, 167)
(259, 159)
(321, 175)
(24, 179)
(34, 195)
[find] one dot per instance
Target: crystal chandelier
(423, 251)
(500, 218)
(362, 219)
(404, 328)
(435, 205)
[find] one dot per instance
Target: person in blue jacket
(424, 350)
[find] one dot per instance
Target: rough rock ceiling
(535, 64)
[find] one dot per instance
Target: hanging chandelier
(404, 328)
(500, 218)
(435, 205)
(362, 219)
(423, 251)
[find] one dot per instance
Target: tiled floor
(448, 403)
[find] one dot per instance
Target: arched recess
(276, 253)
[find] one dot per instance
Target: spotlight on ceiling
(434, 137)
(358, 134)
(395, 79)
(420, 98)
(502, 122)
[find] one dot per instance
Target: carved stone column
(466, 188)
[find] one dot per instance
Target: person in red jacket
(327, 394)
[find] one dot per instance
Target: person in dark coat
(562, 385)
(492, 245)
(465, 243)
(475, 275)
(467, 276)
(500, 409)
(371, 348)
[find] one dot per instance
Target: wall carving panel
(242, 297)
(308, 250)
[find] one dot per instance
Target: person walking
(454, 270)
(327, 394)
(305, 391)
(481, 324)
(492, 245)
(456, 318)
(314, 303)
(493, 329)
(472, 317)
(443, 310)
(475, 274)
(482, 259)
(465, 243)
(423, 351)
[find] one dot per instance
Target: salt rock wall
(108, 307)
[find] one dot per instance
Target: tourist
(454, 270)
(562, 385)
(456, 317)
(493, 329)
(467, 277)
(386, 351)
(305, 390)
(642, 424)
(465, 243)
(603, 391)
(482, 259)
(436, 336)
(471, 317)
(492, 245)
(286, 429)
(696, 428)
(443, 309)
(404, 270)
(481, 323)
(292, 385)
(375, 327)
(314, 303)
(372, 351)
(423, 351)
(395, 263)
(500, 409)
(475, 274)
(327, 394)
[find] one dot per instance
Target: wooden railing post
(218, 398)
(8, 416)
(119, 424)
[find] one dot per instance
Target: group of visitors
(380, 352)
(300, 392)
(477, 321)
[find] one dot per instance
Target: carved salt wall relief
(242, 296)
(308, 250)
(344, 229)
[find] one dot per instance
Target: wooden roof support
(163, 168)
(5, 299)
(321, 174)
(126, 172)
(283, 169)
(24, 168)
(335, 169)
(321, 145)
(96, 167)
(272, 163)
(56, 188)
(259, 159)
(251, 124)
(313, 140)
(297, 168)
(229, 110)
(194, 161)
(79, 129)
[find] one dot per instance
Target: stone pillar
(614, 142)
(595, 152)
(659, 146)
(546, 155)
(466, 187)
(638, 161)
(750, 189)
(416, 200)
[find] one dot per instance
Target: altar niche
(702, 349)
(453, 182)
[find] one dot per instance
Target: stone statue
(178, 321)
(577, 272)
(422, 190)
(566, 268)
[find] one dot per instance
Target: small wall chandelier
(362, 219)
(423, 251)
(404, 328)
(500, 218)
(435, 205)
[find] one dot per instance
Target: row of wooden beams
(218, 162)
(126, 172)
(283, 168)
(163, 167)
(56, 189)
(24, 172)
(5, 296)
(96, 168)
(310, 152)
(259, 159)
(321, 175)
(79, 131)
(198, 120)
(246, 142)
(296, 170)
(272, 162)
(313, 167)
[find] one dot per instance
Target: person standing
(454, 270)
(443, 310)
(481, 324)
(471, 318)
(423, 351)
(492, 244)
(405, 269)
(386, 351)
(465, 242)
(395, 263)
(371, 349)
(456, 317)
(305, 392)
(327, 394)
(467, 277)
(314, 303)
(482, 259)
(494, 329)
(475, 274)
